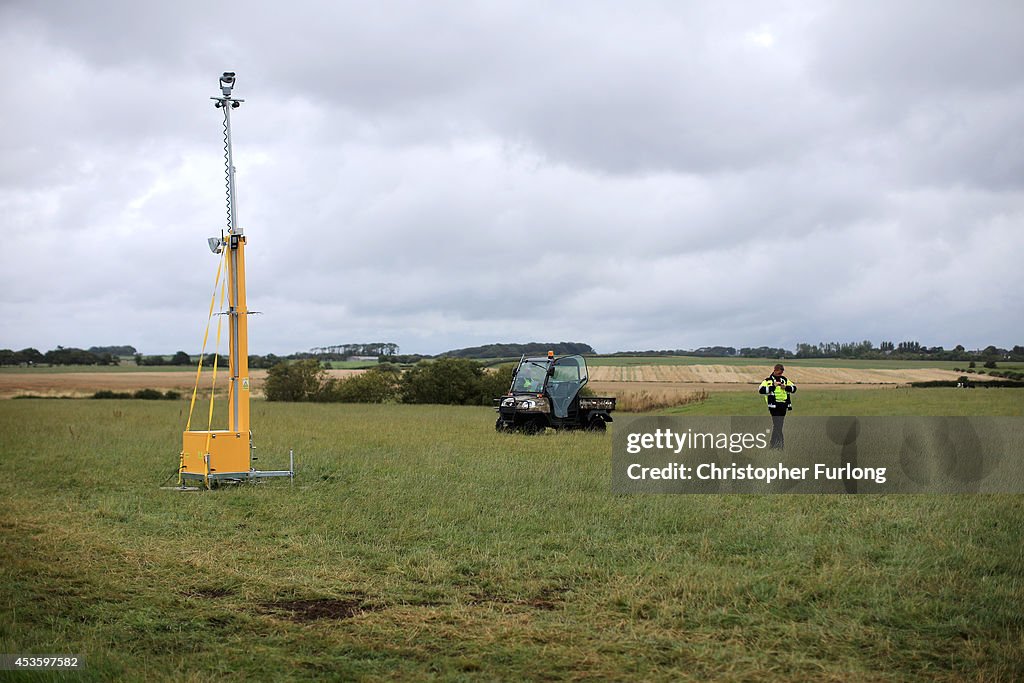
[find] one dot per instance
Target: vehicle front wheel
(533, 427)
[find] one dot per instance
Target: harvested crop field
(603, 388)
(605, 379)
(701, 376)
(79, 384)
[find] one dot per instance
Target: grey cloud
(907, 49)
(407, 171)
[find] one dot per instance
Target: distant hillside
(516, 350)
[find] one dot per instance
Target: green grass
(452, 552)
(352, 364)
(902, 401)
(805, 362)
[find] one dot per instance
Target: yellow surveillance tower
(226, 455)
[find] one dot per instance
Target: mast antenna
(227, 103)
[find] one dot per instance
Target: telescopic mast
(227, 455)
(238, 391)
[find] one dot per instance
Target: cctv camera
(226, 83)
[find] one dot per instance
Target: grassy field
(352, 364)
(416, 543)
(900, 401)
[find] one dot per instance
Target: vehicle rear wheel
(596, 425)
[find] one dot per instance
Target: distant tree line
(181, 358)
(58, 356)
(344, 351)
(704, 351)
(516, 350)
(100, 356)
(387, 352)
(907, 350)
(457, 381)
(124, 351)
(714, 352)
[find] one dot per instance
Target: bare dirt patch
(546, 599)
(315, 609)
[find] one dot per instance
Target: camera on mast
(227, 81)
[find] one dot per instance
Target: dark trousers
(778, 416)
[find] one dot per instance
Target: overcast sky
(444, 174)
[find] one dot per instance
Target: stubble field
(747, 375)
(671, 380)
(46, 383)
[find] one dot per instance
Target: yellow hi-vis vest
(780, 393)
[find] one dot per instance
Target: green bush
(302, 380)
(448, 380)
(148, 394)
(376, 385)
(458, 381)
(143, 394)
(106, 393)
(990, 384)
(495, 383)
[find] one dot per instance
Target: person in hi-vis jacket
(776, 390)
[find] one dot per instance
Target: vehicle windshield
(530, 377)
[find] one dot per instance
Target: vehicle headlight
(508, 402)
(528, 405)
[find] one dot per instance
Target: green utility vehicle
(545, 392)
